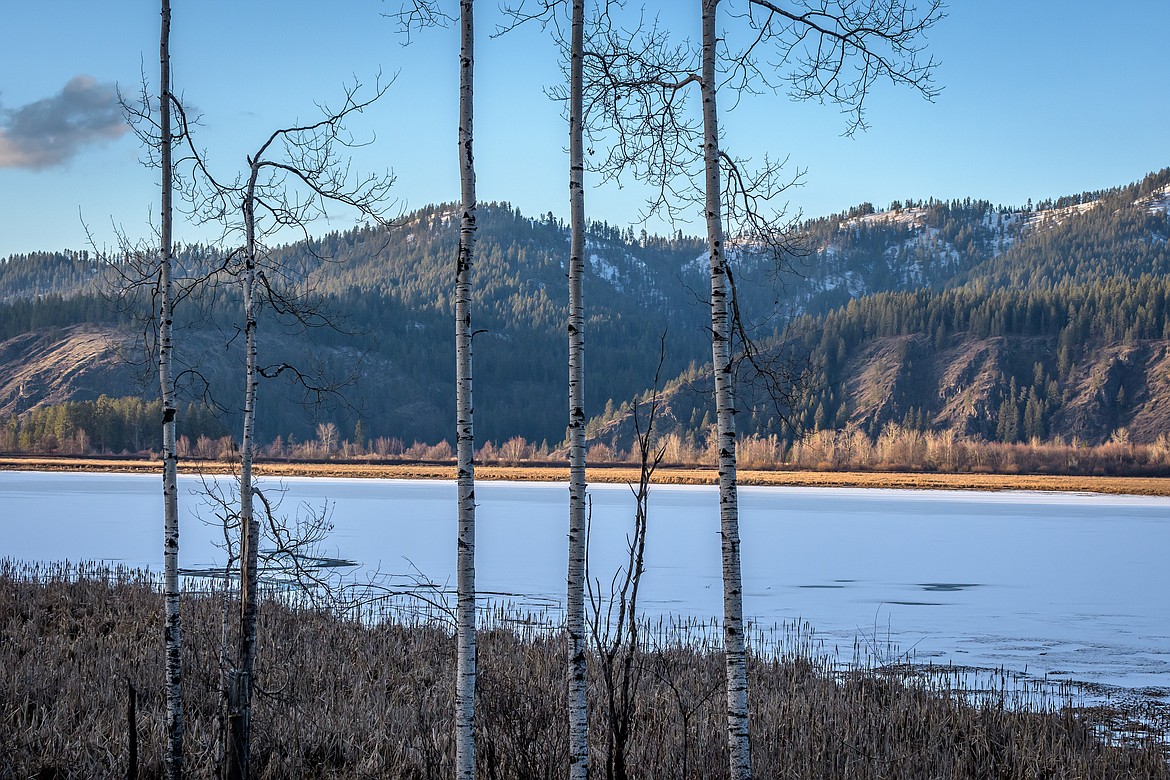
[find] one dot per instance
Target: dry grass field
(338, 698)
(666, 475)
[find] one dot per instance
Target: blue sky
(1041, 98)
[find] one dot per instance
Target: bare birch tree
(172, 630)
(573, 51)
(827, 50)
(465, 433)
(836, 32)
(578, 671)
(417, 14)
(146, 274)
(290, 179)
(734, 646)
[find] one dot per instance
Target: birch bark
(172, 631)
(578, 670)
(465, 436)
(738, 742)
(240, 686)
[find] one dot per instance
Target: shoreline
(620, 474)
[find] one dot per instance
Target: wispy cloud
(50, 131)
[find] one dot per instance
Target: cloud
(50, 131)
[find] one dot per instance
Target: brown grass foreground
(338, 698)
(667, 475)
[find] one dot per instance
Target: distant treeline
(105, 426)
(129, 426)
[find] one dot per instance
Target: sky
(1041, 98)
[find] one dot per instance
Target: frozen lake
(1069, 585)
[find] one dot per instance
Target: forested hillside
(1003, 323)
(1078, 361)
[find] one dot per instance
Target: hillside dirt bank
(666, 475)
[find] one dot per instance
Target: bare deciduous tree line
(631, 90)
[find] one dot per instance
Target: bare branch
(419, 15)
(541, 12)
(636, 82)
(614, 624)
(834, 51)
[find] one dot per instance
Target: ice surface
(1068, 585)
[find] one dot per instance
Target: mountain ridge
(390, 290)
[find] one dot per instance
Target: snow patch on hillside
(440, 217)
(620, 267)
(1050, 218)
(697, 266)
(911, 218)
(922, 239)
(1158, 202)
(744, 256)
(1004, 227)
(604, 269)
(846, 280)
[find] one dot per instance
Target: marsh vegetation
(340, 697)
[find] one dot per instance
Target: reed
(349, 697)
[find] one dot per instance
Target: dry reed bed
(341, 699)
(667, 475)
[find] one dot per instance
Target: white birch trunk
(738, 742)
(240, 686)
(172, 631)
(577, 672)
(465, 435)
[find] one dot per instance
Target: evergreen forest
(1006, 324)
